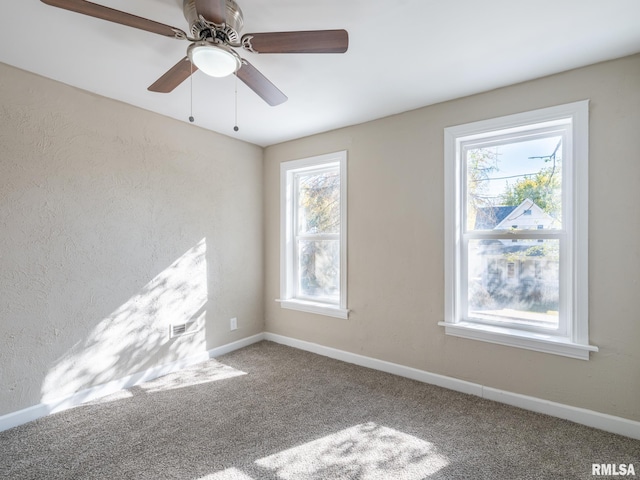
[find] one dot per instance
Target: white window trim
(575, 343)
(287, 298)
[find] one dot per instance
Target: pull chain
(235, 127)
(191, 119)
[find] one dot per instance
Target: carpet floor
(269, 411)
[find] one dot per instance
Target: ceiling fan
(215, 27)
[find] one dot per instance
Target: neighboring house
(526, 216)
(514, 271)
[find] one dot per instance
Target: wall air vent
(181, 329)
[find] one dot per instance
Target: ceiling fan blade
(213, 10)
(260, 84)
(174, 77)
(315, 41)
(116, 16)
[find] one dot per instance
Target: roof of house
(488, 217)
(525, 216)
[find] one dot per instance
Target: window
(516, 251)
(313, 237)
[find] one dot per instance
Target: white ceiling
(403, 54)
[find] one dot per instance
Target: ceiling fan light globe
(214, 60)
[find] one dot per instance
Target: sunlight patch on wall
(114, 397)
(135, 337)
(211, 371)
(367, 452)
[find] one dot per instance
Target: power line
(503, 178)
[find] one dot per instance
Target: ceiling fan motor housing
(234, 22)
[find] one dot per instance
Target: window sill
(517, 338)
(315, 307)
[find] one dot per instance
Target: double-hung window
(516, 231)
(313, 235)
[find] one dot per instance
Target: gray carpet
(273, 412)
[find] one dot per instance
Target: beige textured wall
(114, 223)
(396, 221)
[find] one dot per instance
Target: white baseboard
(381, 365)
(590, 418)
(230, 347)
(48, 407)
(602, 421)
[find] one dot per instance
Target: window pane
(516, 185)
(514, 282)
(319, 269)
(319, 201)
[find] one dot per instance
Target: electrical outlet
(234, 323)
